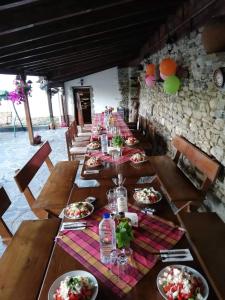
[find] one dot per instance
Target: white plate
(145, 203)
(89, 205)
(56, 283)
(189, 270)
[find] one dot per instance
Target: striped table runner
(126, 154)
(153, 234)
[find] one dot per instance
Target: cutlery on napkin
(74, 226)
(175, 255)
(86, 172)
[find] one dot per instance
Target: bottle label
(122, 204)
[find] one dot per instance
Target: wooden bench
(206, 232)
(177, 187)
(24, 263)
(56, 190)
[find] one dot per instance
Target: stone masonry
(197, 110)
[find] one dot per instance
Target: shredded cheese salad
(181, 284)
(75, 288)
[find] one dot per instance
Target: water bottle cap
(106, 215)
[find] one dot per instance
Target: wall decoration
(150, 81)
(171, 84)
(168, 67)
(150, 70)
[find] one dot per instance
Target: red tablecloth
(98, 119)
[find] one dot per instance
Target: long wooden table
(128, 169)
(146, 289)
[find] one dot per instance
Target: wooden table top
(127, 169)
(146, 289)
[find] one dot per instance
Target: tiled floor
(14, 153)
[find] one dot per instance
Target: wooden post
(52, 122)
(27, 114)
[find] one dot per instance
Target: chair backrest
(4, 201)
(27, 173)
(68, 143)
(24, 176)
(4, 205)
(208, 166)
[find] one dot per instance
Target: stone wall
(197, 110)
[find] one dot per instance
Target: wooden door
(82, 103)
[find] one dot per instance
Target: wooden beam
(30, 58)
(84, 70)
(49, 96)
(14, 4)
(101, 41)
(194, 14)
(27, 114)
(73, 59)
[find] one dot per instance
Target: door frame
(74, 88)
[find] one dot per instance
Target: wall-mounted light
(170, 42)
(82, 82)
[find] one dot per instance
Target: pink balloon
(163, 76)
(150, 81)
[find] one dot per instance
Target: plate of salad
(147, 196)
(74, 285)
(181, 282)
(78, 210)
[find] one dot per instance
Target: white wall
(105, 89)
(38, 102)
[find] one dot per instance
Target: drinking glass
(112, 203)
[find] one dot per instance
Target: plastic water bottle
(104, 143)
(107, 238)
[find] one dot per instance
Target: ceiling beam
(12, 4)
(31, 57)
(82, 51)
(77, 60)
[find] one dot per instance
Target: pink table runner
(98, 119)
(126, 153)
(153, 234)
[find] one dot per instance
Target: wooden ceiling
(65, 39)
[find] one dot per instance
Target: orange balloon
(150, 70)
(168, 67)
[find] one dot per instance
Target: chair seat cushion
(78, 150)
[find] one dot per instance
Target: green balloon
(171, 84)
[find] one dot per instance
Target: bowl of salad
(181, 282)
(131, 141)
(138, 158)
(74, 285)
(147, 196)
(78, 210)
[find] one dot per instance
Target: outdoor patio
(15, 152)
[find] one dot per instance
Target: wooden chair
(73, 151)
(80, 136)
(24, 262)
(58, 186)
(5, 202)
(77, 141)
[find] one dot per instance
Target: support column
(27, 114)
(52, 122)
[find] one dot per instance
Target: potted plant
(124, 236)
(117, 141)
